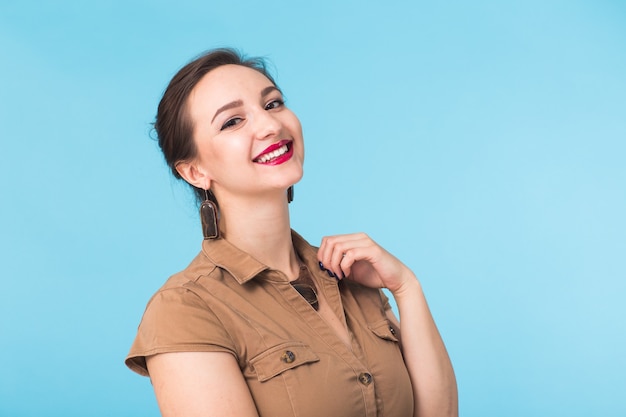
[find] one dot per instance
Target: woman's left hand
(358, 258)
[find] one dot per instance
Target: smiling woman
(237, 142)
(261, 323)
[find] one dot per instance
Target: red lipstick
(276, 154)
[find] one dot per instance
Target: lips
(276, 153)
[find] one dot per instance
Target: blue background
(481, 142)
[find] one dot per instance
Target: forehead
(227, 83)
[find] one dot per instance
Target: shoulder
(199, 267)
(179, 318)
(184, 292)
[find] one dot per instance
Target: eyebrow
(238, 103)
(231, 105)
(269, 89)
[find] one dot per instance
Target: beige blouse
(294, 364)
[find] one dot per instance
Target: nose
(266, 125)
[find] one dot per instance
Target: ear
(194, 174)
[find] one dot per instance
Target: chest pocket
(383, 330)
(278, 359)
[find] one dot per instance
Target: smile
(276, 154)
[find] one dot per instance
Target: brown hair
(173, 125)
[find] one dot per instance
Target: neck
(261, 228)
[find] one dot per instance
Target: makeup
(276, 153)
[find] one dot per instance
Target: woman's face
(249, 143)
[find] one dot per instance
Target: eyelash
(231, 122)
(277, 103)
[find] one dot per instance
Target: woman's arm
(360, 259)
(426, 358)
(194, 384)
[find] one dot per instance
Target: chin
(297, 178)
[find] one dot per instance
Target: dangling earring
(208, 216)
(290, 194)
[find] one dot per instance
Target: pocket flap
(383, 330)
(280, 358)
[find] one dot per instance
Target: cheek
(211, 157)
(205, 152)
(225, 152)
(296, 129)
(294, 124)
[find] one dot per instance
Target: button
(288, 356)
(365, 378)
(392, 330)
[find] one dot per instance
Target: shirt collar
(243, 266)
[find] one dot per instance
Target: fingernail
(330, 273)
(322, 267)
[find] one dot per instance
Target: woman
(261, 323)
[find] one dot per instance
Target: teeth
(274, 154)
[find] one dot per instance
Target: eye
(231, 122)
(274, 104)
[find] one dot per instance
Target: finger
(327, 246)
(349, 253)
(333, 249)
(329, 241)
(362, 257)
(343, 255)
(347, 260)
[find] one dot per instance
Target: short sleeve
(177, 320)
(391, 317)
(385, 301)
